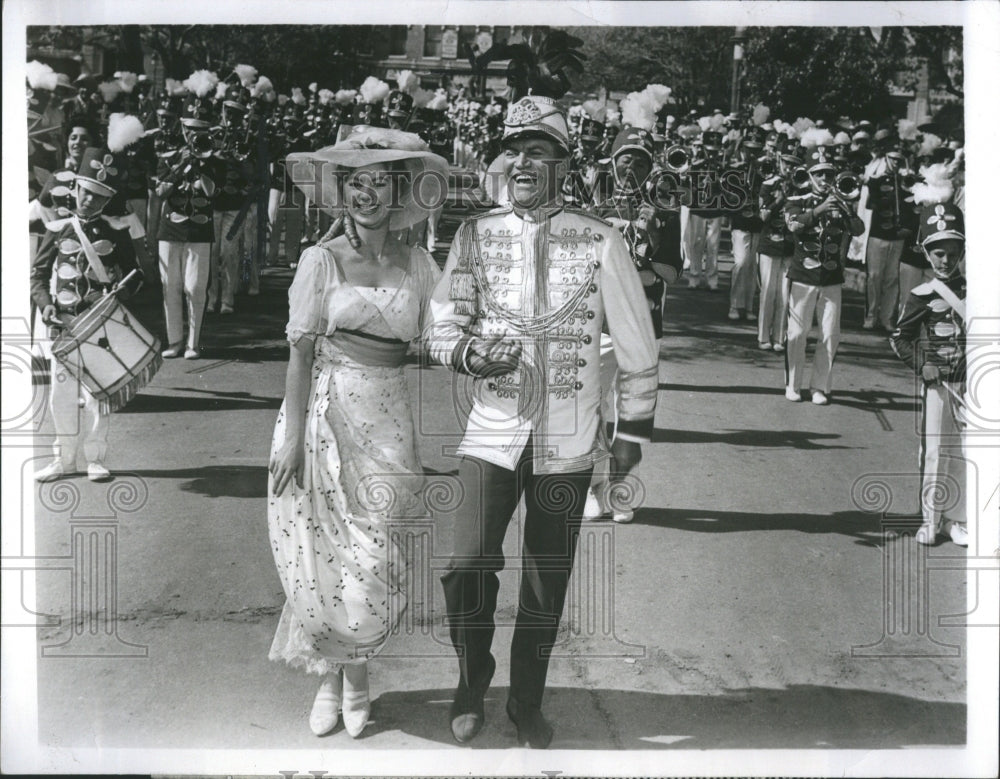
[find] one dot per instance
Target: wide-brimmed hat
(318, 173)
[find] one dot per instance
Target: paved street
(743, 608)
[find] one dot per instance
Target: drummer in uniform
(87, 253)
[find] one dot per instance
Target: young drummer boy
(86, 254)
(930, 338)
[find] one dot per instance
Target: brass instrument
(677, 158)
(846, 187)
(767, 166)
(201, 145)
(799, 177)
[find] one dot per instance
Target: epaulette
(923, 289)
(595, 217)
(57, 224)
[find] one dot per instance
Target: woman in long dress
(343, 465)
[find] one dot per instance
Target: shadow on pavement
(795, 439)
(855, 524)
(215, 481)
(797, 717)
(214, 401)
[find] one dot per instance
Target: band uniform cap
(537, 116)
(941, 222)
(100, 171)
(361, 146)
(712, 140)
(398, 104)
(820, 158)
(633, 139)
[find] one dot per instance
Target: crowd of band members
(207, 178)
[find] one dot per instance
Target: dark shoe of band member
(533, 730)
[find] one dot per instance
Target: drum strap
(88, 249)
(950, 297)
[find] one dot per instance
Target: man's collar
(541, 214)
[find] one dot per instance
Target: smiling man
(525, 292)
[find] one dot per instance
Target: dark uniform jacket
(820, 243)
(61, 256)
(930, 331)
(775, 239)
(893, 216)
(188, 209)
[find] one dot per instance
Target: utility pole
(739, 37)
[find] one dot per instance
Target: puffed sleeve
(307, 315)
(427, 275)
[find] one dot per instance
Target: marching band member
(775, 249)
(742, 179)
(930, 339)
(525, 291)
(821, 226)
(704, 228)
(653, 236)
(84, 255)
(187, 183)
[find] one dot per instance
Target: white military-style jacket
(549, 278)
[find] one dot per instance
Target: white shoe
(927, 534)
(820, 398)
(54, 471)
(326, 706)
(751, 316)
(764, 346)
(191, 354)
(356, 707)
(171, 352)
(593, 510)
(97, 472)
(226, 309)
(733, 314)
(779, 347)
(793, 395)
(959, 534)
(623, 516)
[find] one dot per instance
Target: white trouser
(909, 279)
(184, 274)
(942, 464)
(76, 425)
(773, 299)
(701, 244)
(882, 261)
(609, 399)
(744, 280)
(140, 207)
(685, 216)
(805, 301)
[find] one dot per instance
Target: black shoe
(467, 711)
(533, 730)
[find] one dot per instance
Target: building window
(501, 34)
(397, 40)
(432, 40)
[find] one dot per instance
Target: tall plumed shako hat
(318, 173)
(633, 139)
(940, 222)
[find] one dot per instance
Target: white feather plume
(313, 86)
(421, 97)
(41, 76)
(613, 116)
(246, 73)
(657, 95)
(816, 136)
(842, 139)
(716, 122)
(637, 111)
(201, 82)
(937, 186)
(123, 131)
(929, 143)
(109, 90)
(906, 129)
(282, 100)
(325, 96)
(175, 88)
(407, 81)
(345, 96)
(127, 79)
(761, 113)
(438, 103)
(262, 87)
(595, 109)
(297, 97)
(802, 124)
(705, 123)
(220, 89)
(374, 90)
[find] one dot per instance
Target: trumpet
(846, 187)
(677, 158)
(201, 145)
(767, 166)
